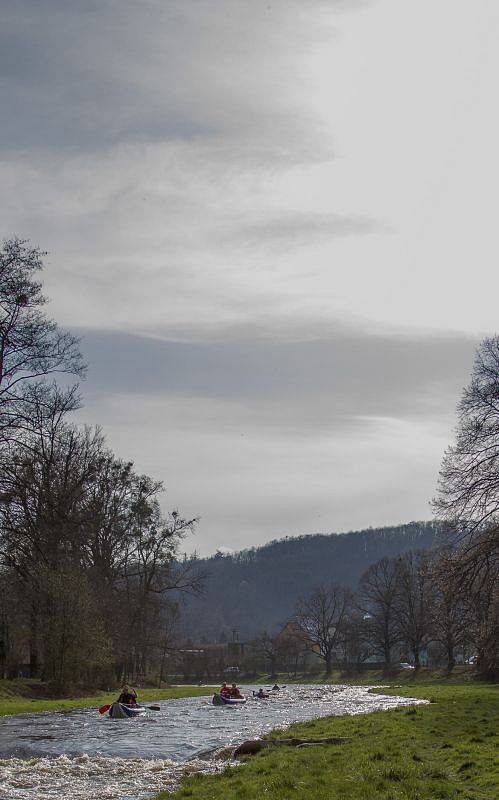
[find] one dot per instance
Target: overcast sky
(274, 226)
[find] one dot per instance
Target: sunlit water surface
(82, 755)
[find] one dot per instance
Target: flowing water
(84, 756)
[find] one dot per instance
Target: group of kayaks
(119, 710)
(221, 699)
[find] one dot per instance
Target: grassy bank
(24, 696)
(446, 750)
(371, 677)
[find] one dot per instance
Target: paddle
(103, 709)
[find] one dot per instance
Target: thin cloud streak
(318, 384)
(302, 230)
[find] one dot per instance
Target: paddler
(128, 696)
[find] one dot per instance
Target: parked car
(406, 665)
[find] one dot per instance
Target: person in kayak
(261, 694)
(225, 691)
(234, 691)
(275, 688)
(128, 696)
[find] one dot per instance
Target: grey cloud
(261, 437)
(141, 143)
(73, 76)
(342, 382)
(294, 229)
(82, 76)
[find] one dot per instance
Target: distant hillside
(257, 589)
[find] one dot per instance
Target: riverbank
(25, 696)
(444, 750)
(371, 677)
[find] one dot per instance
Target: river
(85, 756)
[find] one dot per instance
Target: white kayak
(121, 711)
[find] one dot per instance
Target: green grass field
(443, 751)
(20, 697)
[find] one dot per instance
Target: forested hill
(257, 589)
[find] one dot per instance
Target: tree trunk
(162, 667)
(34, 665)
(328, 664)
(4, 649)
(451, 661)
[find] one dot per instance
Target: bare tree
(378, 598)
(469, 479)
(32, 347)
(320, 617)
(468, 499)
(474, 587)
(268, 649)
(43, 488)
(72, 515)
(355, 637)
(152, 572)
(413, 602)
(449, 607)
(483, 593)
(292, 647)
(73, 637)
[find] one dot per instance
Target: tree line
(411, 608)
(403, 608)
(90, 576)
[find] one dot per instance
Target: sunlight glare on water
(42, 755)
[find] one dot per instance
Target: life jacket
(127, 699)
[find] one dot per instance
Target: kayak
(220, 700)
(120, 711)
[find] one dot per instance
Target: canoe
(120, 711)
(220, 700)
